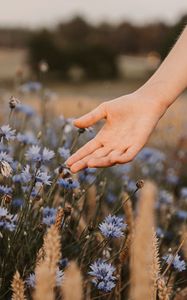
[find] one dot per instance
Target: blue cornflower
(102, 272)
(43, 178)
(49, 215)
(4, 189)
(26, 176)
(7, 221)
(30, 86)
(68, 183)
(26, 109)
(181, 214)
(17, 202)
(87, 175)
(31, 279)
(165, 197)
(35, 153)
(64, 153)
(7, 133)
(183, 192)
(5, 157)
(112, 226)
(27, 138)
(177, 263)
(63, 262)
(110, 198)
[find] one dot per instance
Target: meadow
(116, 233)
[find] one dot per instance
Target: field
(116, 233)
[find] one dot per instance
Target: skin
(130, 119)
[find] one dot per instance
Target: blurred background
(92, 50)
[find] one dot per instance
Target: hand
(129, 122)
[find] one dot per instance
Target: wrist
(155, 96)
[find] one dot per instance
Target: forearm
(169, 81)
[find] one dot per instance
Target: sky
(36, 13)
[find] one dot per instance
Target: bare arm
(130, 119)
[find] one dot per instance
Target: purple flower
(64, 153)
(30, 86)
(35, 153)
(7, 133)
(49, 215)
(43, 178)
(5, 157)
(176, 261)
(112, 227)
(68, 183)
(26, 109)
(27, 138)
(7, 221)
(4, 189)
(102, 272)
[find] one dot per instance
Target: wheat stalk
(48, 258)
(44, 283)
(59, 217)
(17, 287)
(155, 270)
(72, 284)
(163, 290)
(141, 254)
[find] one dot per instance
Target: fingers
(105, 161)
(90, 147)
(83, 163)
(92, 117)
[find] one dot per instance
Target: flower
(5, 190)
(26, 109)
(30, 86)
(5, 157)
(68, 183)
(7, 221)
(112, 227)
(35, 153)
(27, 138)
(102, 272)
(181, 214)
(49, 215)
(7, 133)
(25, 175)
(177, 263)
(64, 153)
(43, 178)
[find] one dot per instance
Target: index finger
(87, 149)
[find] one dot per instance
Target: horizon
(93, 12)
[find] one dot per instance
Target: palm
(126, 130)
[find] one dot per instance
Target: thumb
(92, 117)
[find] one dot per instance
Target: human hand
(129, 122)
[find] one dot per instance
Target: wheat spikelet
(163, 290)
(59, 217)
(44, 283)
(52, 247)
(141, 282)
(72, 284)
(48, 258)
(17, 287)
(155, 268)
